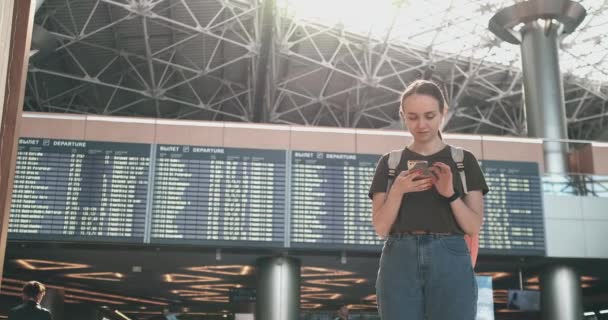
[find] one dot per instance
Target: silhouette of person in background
(342, 313)
(30, 309)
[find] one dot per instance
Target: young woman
(425, 268)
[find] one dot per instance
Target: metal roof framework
(241, 60)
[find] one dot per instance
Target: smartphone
(419, 165)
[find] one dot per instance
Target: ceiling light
(323, 296)
(583, 279)
(588, 278)
(211, 299)
(533, 280)
(81, 294)
(121, 315)
(47, 265)
(229, 270)
(323, 272)
(223, 287)
(495, 275)
(156, 313)
(183, 278)
(347, 282)
(306, 289)
(194, 293)
(103, 276)
(360, 306)
(79, 297)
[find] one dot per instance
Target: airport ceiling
(140, 281)
(336, 63)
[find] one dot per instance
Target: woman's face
(422, 116)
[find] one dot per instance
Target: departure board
(513, 213)
(79, 190)
(207, 195)
(329, 203)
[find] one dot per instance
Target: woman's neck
(427, 147)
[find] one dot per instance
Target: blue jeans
(426, 277)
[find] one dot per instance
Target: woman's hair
(427, 88)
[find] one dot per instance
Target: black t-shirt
(428, 210)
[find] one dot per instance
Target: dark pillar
(278, 288)
(561, 294)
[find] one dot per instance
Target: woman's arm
(468, 212)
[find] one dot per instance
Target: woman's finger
(441, 165)
(437, 172)
(425, 186)
(414, 174)
(422, 182)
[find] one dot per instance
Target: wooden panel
(581, 160)
(471, 143)
(257, 136)
(600, 158)
(118, 129)
(381, 142)
(53, 126)
(513, 149)
(196, 133)
(323, 139)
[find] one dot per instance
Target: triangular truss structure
(274, 61)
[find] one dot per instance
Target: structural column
(542, 24)
(561, 295)
(278, 288)
(16, 20)
(544, 91)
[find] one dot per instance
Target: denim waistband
(429, 234)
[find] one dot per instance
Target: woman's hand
(442, 178)
(405, 183)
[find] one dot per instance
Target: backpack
(458, 157)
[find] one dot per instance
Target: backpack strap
(472, 242)
(458, 157)
(393, 161)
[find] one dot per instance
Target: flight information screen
(209, 195)
(79, 190)
(513, 218)
(177, 194)
(329, 203)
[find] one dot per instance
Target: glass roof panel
(458, 27)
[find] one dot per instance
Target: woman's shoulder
(468, 154)
(384, 158)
